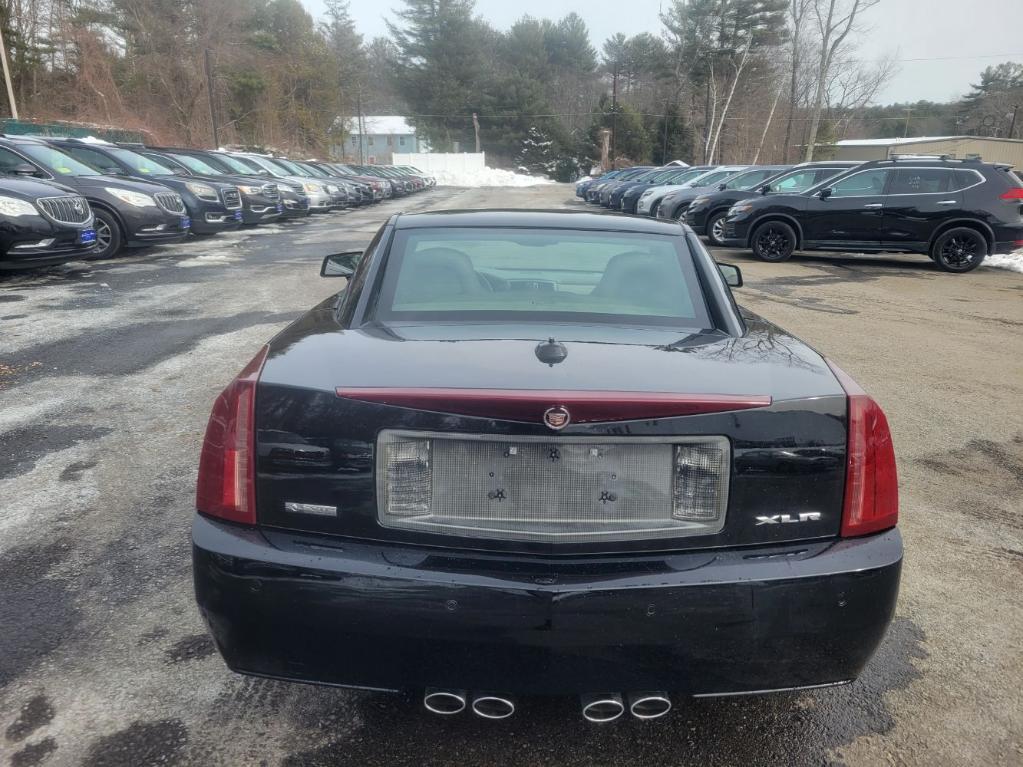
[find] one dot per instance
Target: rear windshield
(550, 275)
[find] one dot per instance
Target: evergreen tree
(443, 67)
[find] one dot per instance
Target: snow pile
(476, 177)
(1013, 261)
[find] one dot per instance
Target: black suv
(706, 214)
(128, 213)
(212, 206)
(955, 211)
(43, 224)
(261, 198)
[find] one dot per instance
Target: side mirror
(765, 189)
(824, 193)
(25, 169)
(732, 275)
(722, 187)
(340, 264)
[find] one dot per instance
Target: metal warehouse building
(960, 147)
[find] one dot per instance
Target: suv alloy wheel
(959, 250)
(773, 241)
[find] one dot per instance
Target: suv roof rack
(914, 157)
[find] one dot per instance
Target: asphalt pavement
(107, 374)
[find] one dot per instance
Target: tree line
(720, 81)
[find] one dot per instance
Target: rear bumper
(384, 617)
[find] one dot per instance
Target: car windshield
(196, 165)
(713, 177)
(140, 163)
(56, 161)
(311, 170)
(513, 275)
(267, 165)
(236, 164)
(689, 175)
(801, 180)
(750, 178)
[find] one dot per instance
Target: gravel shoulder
(107, 373)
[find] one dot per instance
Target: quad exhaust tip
(491, 706)
(605, 707)
(444, 702)
(649, 705)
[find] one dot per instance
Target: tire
(109, 238)
(773, 241)
(959, 250)
(716, 228)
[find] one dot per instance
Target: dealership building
(958, 147)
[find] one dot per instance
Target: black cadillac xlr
(544, 453)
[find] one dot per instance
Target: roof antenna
(551, 352)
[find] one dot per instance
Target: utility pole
(476, 127)
(614, 117)
(209, 94)
(1012, 125)
(905, 130)
(362, 128)
(664, 150)
(7, 78)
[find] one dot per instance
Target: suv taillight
(871, 481)
(1016, 193)
(227, 465)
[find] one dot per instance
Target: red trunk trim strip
(529, 406)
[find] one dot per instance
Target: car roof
(535, 219)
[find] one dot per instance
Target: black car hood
(90, 183)
(315, 353)
(25, 188)
(235, 180)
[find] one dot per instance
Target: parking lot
(107, 373)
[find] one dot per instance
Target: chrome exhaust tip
(444, 702)
(491, 706)
(605, 707)
(649, 705)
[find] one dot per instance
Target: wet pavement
(107, 373)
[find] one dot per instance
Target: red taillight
(227, 466)
(1016, 193)
(871, 481)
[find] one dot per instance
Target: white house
(381, 137)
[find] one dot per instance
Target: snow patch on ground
(476, 177)
(1013, 261)
(209, 259)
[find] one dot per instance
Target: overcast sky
(959, 37)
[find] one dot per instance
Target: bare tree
(797, 16)
(835, 20)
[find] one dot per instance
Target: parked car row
(64, 199)
(954, 211)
